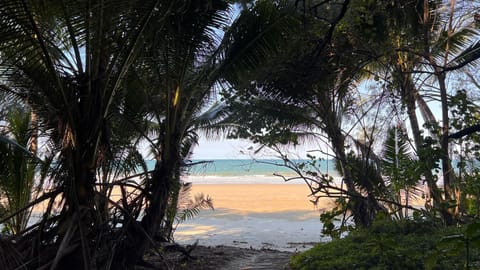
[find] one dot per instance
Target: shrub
(406, 244)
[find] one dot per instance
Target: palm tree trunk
(159, 196)
(167, 230)
(364, 209)
(34, 133)
(409, 94)
(448, 176)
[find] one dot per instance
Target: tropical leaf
(398, 161)
(256, 35)
(19, 168)
(469, 56)
(190, 207)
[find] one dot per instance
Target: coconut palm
(413, 37)
(448, 48)
(68, 61)
(179, 72)
(93, 69)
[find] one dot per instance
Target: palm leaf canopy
(17, 169)
(299, 85)
(67, 59)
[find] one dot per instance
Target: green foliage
(366, 175)
(105, 77)
(331, 217)
(189, 207)
(259, 33)
(464, 244)
(398, 163)
(465, 115)
(18, 168)
(405, 244)
(401, 170)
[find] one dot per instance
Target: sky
(220, 149)
(208, 149)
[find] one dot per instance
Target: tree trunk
(448, 176)
(364, 209)
(79, 219)
(409, 94)
(159, 196)
(167, 230)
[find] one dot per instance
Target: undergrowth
(406, 244)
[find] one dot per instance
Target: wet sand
(273, 216)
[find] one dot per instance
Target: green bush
(404, 244)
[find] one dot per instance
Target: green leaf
(472, 230)
(451, 240)
(431, 261)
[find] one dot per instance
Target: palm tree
(103, 77)
(187, 59)
(68, 62)
(19, 170)
(432, 43)
(399, 165)
(303, 87)
(448, 48)
(415, 40)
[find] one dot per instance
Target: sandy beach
(277, 216)
(259, 198)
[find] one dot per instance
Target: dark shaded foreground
(220, 258)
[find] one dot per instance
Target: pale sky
(220, 149)
(232, 149)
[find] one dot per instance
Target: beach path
(260, 260)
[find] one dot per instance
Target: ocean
(245, 171)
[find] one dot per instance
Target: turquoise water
(245, 171)
(245, 167)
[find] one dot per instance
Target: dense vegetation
(405, 244)
(389, 87)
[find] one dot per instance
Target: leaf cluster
(386, 245)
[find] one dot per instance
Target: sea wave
(245, 179)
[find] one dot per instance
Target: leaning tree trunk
(140, 235)
(159, 191)
(364, 209)
(409, 98)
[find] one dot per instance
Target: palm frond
(18, 170)
(256, 35)
(190, 207)
(469, 56)
(398, 164)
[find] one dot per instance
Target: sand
(259, 198)
(275, 216)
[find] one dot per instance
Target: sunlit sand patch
(190, 230)
(256, 215)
